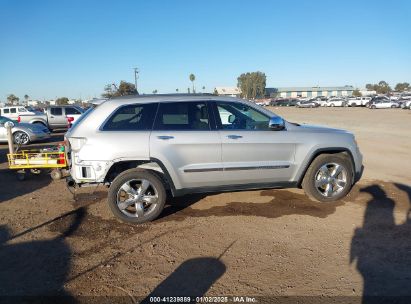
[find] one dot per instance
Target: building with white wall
(294, 92)
(228, 91)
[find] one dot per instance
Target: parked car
(22, 115)
(384, 104)
(407, 104)
(13, 112)
(335, 102)
(54, 117)
(358, 101)
(62, 116)
(183, 144)
(23, 133)
(288, 102)
(307, 104)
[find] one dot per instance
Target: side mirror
(231, 118)
(276, 123)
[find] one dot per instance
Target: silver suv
(145, 147)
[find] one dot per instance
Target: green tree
(215, 92)
(369, 87)
(177, 90)
(381, 88)
(125, 88)
(252, 84)
(192, 78)
(108, 91)
(155, 91)
(188, 90)
(203, 88)
(402, 86)
(356, 93)
(62, 101)
(26, 97)
(12, 99)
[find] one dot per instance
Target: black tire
(373, 107)
(21, 138)
(353, 104)
(56, 174)
(310, 177)
(135, 174)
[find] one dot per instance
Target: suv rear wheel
(329, 177)
(136, 196)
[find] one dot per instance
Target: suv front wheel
(136, 196)
(329, 177)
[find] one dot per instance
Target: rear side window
(6, 111)
(72, 111)
(56, 111)
(137, 117)
(182, 116)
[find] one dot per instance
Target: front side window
(135, 117)
(182, 116)
(56, 111)
(13, 110)
(238, 116)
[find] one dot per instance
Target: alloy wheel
(331, 179)
(137, 198)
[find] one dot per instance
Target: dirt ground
(268, 244)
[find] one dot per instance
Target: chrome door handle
(165, 137)
(234, 136)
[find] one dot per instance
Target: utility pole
(135, 78)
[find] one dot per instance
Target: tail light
(19, 119)
(69, 121)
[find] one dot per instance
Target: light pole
(135, 78)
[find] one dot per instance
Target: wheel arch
(22, 131)
(320, 151)
(153, 165)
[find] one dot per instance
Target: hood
(29, 126)
(314, 128)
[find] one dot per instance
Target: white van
(14, 112)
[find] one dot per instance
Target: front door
(184, 141)
(56, 118)
(251, 152)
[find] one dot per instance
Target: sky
(74, 48)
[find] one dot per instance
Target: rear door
(186, 142)
(13, 114)
(251, 152)
(56, 118)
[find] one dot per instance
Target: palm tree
(177, 90)
(203, 88)
(26, 97)
(192, 78)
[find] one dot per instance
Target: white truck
(54, 117)
(358, 101)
